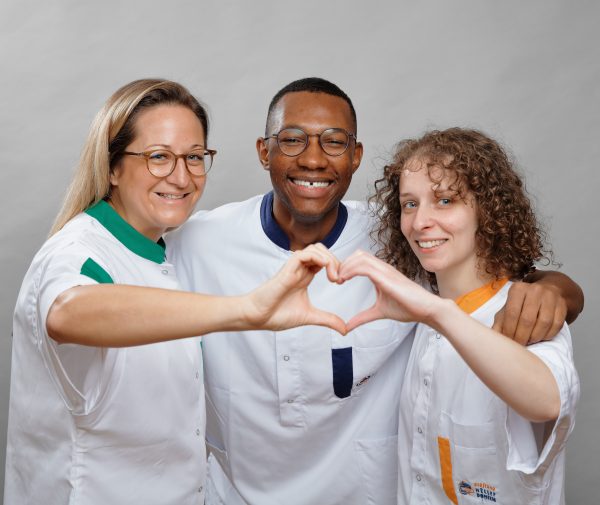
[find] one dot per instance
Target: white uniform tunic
(303, 416)
(468, 446)
(101, 426)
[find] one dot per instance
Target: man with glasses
(303, 416)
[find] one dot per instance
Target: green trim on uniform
(127, 234)
(94, 271)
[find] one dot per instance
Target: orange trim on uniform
(471, 301)
(446, 469)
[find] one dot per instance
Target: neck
(153, 234)
(303, 232)
(454, 284)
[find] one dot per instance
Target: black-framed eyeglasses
(293, 141)
(161, 162)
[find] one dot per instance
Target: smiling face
(308, 187)
(440, 227)
(154, 204)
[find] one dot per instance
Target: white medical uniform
(92, 425)
(303, 416)
(468, 446)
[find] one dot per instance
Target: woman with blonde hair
(107, 401)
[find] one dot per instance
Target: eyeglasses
(294, 141)
(161, 162)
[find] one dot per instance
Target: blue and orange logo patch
(481, 490)
(465, 488)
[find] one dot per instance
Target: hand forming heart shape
(283, 301)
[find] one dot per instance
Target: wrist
(247, 316)
(443, 312)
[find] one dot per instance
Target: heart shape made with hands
(397, 297)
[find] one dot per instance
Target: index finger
(362, 263)
(319, 257)
(333, 265)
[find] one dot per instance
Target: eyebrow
(167, 146)
(298, 127)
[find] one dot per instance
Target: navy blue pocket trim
(343, 375)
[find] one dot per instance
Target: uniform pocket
(467, 459)
(378, 461)
(367, 361)
(473, 465)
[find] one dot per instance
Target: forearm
(568, 289)
(120, 316)
(517, 376)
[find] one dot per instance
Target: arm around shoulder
(566, 287)
(536, 309)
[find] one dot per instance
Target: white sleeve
(531, 449)
(79, 372)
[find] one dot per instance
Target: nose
(180, 176)
(423, 218)
(313, 157)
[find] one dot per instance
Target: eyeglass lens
(161, 163)
(293, 141)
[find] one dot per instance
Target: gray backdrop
(525, 72)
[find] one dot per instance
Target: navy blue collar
(278, 236)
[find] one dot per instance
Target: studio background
(527, 73)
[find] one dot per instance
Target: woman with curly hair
(482, 418)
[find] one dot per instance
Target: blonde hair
(112, 130)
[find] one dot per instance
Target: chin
(313, 215)
(431, 266)
(173, 221)
(310, 218)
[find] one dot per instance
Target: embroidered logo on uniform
(363, 381)
(481, 490)
(465, 488)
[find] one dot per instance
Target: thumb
(322, 318)
(366, 316)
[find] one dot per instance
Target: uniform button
(438, 336)
(419, 430)
(198, 432)
(290, 401)
(197, 375)
(200, 489)
(166, 272)
(286, 357)
(426, 382)
(418, 477)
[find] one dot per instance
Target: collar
(278, 236)
(472, 300)
(127, 234)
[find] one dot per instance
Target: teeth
(311, 184)
(430, 243)
(169, 196)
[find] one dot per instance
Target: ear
(263, 152)
(115, 174)
(358, 154)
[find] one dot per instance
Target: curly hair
(508, 238)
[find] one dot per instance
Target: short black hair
(312, 85)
